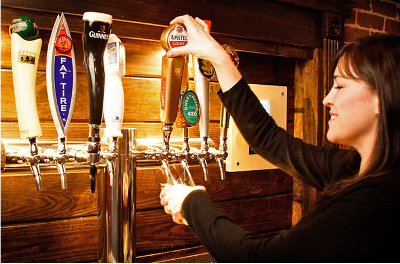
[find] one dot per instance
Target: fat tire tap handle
(61, 87)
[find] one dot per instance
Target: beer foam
(95, 16)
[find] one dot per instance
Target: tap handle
(171, 79)
(25, 50)
(96, 30)
(203, 72)
(224, 121)
(172, 73)
(61, 75)
(114, 67)
(61, 86)
(202, 88)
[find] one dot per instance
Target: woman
(357, 219)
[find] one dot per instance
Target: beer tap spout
(94, 149)
(203, 156)
(61, 159)
(221, 165)
(187, 176)
(111, 158)
(34, 160)
(167, 131)
(203, 163)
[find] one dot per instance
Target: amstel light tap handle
(96, 30)
(61, 87)
(171, 79)
(25, 50)
(114, 67)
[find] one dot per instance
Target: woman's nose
(328, 100)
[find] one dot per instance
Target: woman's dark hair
(376, 61)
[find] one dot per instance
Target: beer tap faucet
(202, 87)
(188, 116)
(222, 154)
(25, 50)
(203, 72)
(187, 176)
(96, 30)
(114, 67)
(61, 87)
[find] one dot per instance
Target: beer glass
(169, 174)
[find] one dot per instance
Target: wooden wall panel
(21, 202)
(68, 240)
(236, 185)
(228, 19)
(155, 231)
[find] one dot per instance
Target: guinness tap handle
(96, 30)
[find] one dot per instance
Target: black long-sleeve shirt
(358, 224)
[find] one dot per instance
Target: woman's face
(354, 111)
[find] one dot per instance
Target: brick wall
(372, 16)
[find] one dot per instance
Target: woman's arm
(314, 165)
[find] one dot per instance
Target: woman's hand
(172, 197)
(202, 45)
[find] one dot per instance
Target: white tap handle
(202, 88)
(25, 58)
(114, 68)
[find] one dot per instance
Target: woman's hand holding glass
(172, 197)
